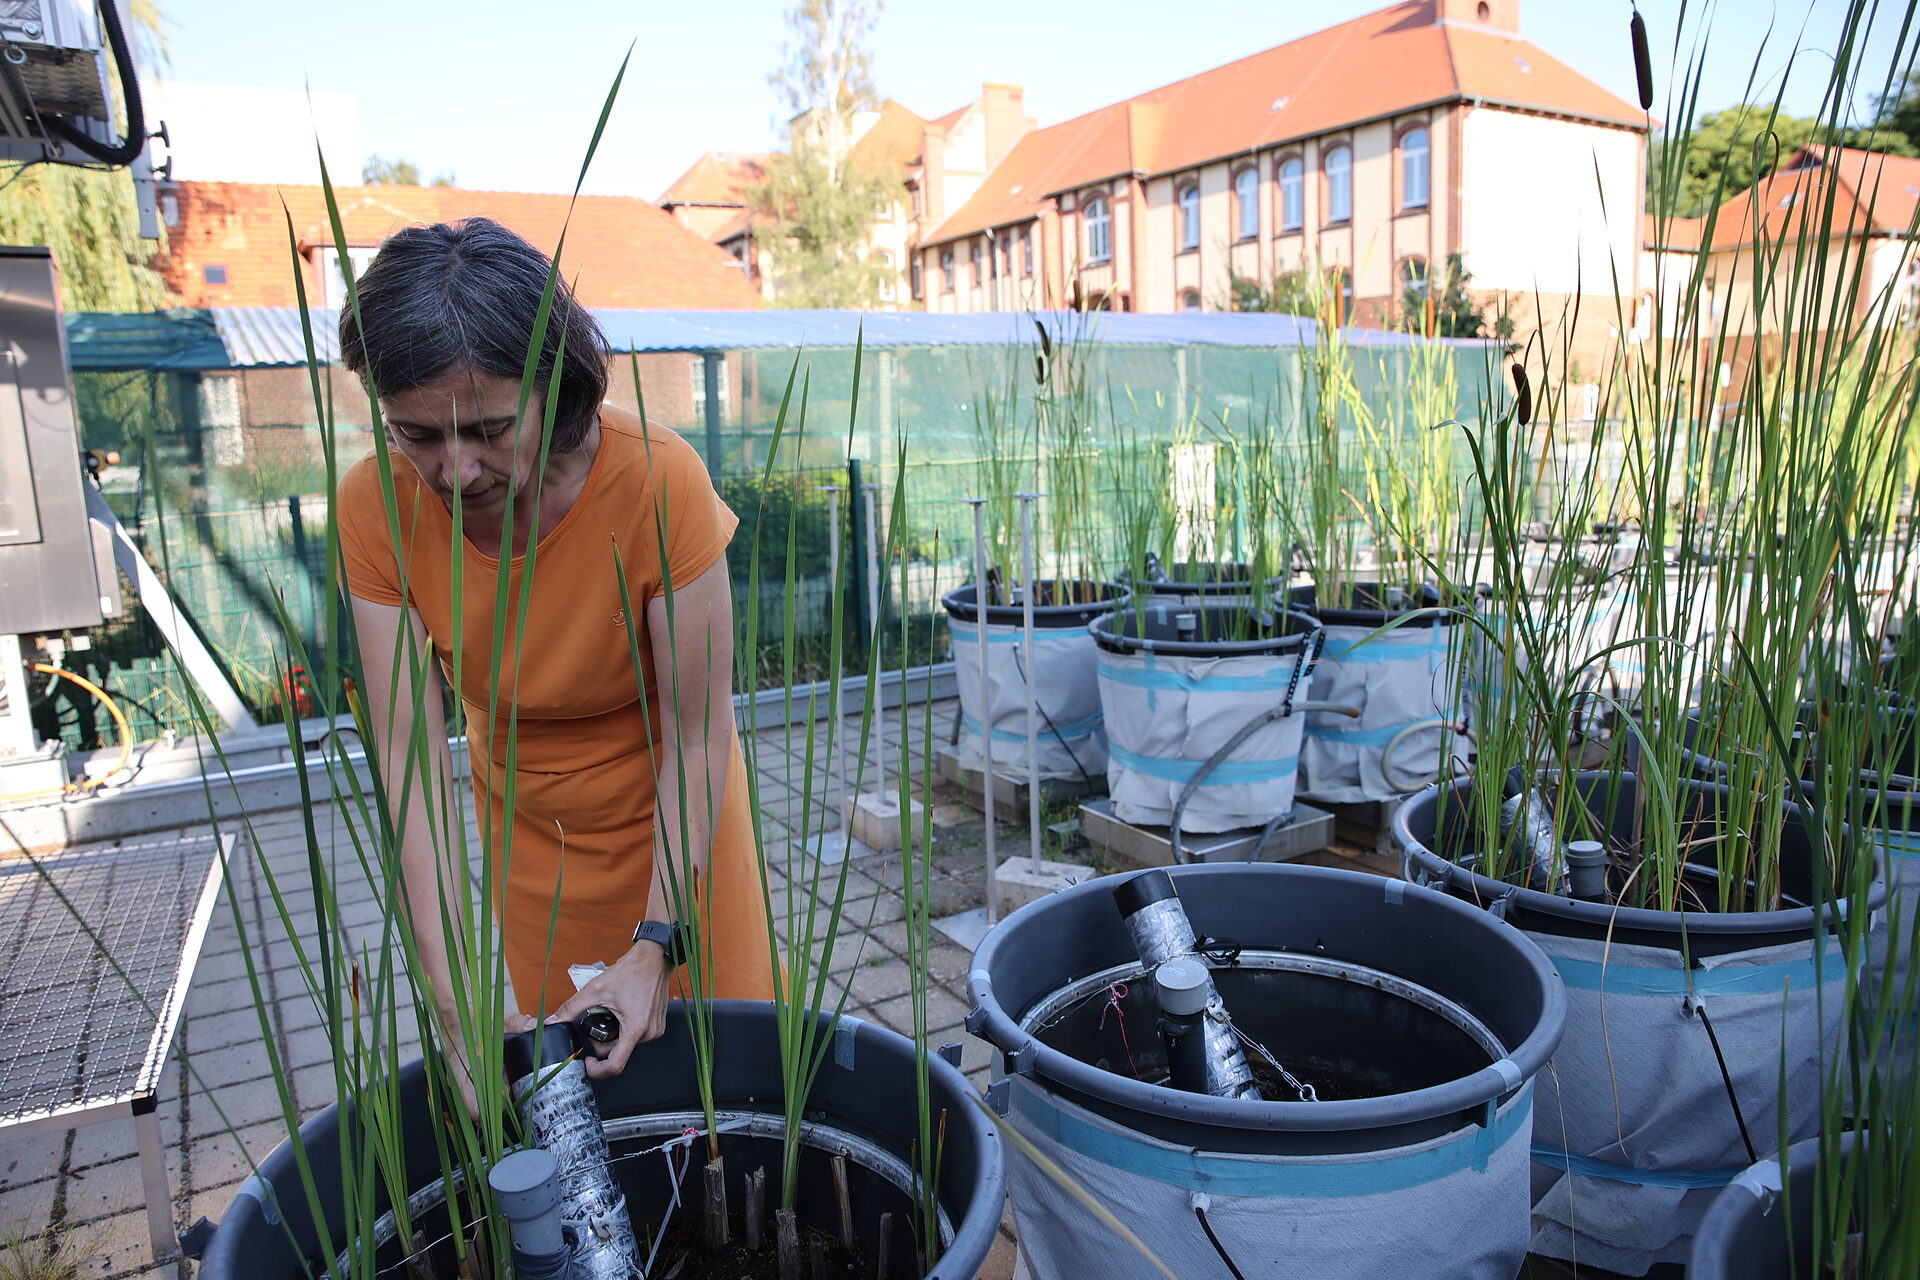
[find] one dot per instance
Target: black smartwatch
(668, 937)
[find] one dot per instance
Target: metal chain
(1300, 1086)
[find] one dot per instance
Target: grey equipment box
(51, 578)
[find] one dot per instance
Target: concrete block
(1021, 880)
(876, 820)
(1311, 830)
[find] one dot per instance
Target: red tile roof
(620, 251)
(1383, 63)
(1672, 233)
(717, 178)
(1870, 193)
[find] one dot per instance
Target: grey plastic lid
(526, 1183)
(1183, 985)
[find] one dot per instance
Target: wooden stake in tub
(886, 1246)
(717, 1234)
(817, 1256)
(756, 1208)
(786, 1231)
(845, 1197)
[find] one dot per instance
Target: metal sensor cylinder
(1161, 932)
(557, 1107)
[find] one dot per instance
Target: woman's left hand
(635, 989)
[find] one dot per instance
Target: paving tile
(217, 1160)
(233, 1064)
(30, 1158)
(879, 979)
(238, 1106)
(218, 1030)
(114, 1188)
(28, 1207)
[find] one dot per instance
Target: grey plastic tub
(1420, 1020)
(1761, 1227)
(864, 1093)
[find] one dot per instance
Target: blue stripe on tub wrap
(961, 633)
(1228, 773)
(1368, 737)
(1074, 730)
(1901, 845)
(1618, 979)
(1267, 1177)
(1388, 648)
(1143, 678)
(1588, 1167)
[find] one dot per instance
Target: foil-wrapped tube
(557, 1108)
(1526, 823)
(1160, 930)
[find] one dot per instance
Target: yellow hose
(119, 719)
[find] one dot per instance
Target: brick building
(226, 243)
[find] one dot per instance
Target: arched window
(973, 260)
(1099, 231)
(1190, 216)
(1340, 289)
(1190, 300)
(946, 268)
(1414, 169)
(1293, 193)
(1339, 167)
(1026, 251)
(886, 285)
(1246, 202)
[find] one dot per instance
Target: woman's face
(459, 433)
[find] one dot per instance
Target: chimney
(1495, 15)
(1007, 119)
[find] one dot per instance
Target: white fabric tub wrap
(1167, 715)
(1400, 680)
(1065, 688)
(1453, 1206)
(1635, 1135)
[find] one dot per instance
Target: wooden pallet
(1009, 791)
(1310, 831)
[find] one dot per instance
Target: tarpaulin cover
(1166, 716)
(1452, 1206)
(1403, 685)
(1071, 740)
(1635, 1133)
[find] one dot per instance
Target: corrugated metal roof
(113, 341)
(256, 336)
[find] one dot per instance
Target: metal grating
(74, 1033)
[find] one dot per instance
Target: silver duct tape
(1161, 932)
(561, 1116)
(1527, 821)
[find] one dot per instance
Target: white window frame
(1293, 193)
(1339, 184)
(333, 282)
(1099, 220)
(1416, 189)
(1189, 200)
(1246, 200)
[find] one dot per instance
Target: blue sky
(505, 94)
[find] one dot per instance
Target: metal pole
(873, 611)
(835, 728)
(1033, 727)
(979, 506)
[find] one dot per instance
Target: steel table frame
(142, 1102)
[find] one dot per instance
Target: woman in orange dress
(603, 798)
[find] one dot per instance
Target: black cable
(1214, 1240)
(1051, 728)
(124, 151)
(1726, 1078)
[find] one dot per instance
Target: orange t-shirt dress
(584, 769)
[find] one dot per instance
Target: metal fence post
(710, 373)
(857, 580)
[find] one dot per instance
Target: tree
(818, 204)
(1443, 308)
(381, 172)
(1728, 151)
(1291, 293)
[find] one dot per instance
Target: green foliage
(1291, 293)
(379, 171)
(88, 218)
(1725, 152)
(1443, 308)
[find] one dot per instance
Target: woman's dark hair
(465, 295)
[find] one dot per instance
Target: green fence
(222, 485)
